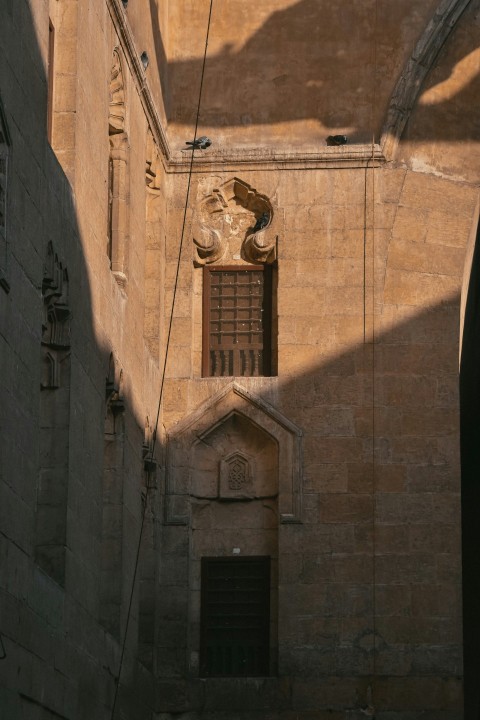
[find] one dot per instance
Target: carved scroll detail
(208, 244)
(231, 215)
(258, 249)
(116, 114)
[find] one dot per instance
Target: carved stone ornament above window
(235, 221)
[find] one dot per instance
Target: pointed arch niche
(198, 467)
(233, 478)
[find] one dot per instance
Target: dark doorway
(235, 617)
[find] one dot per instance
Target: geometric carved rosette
(236, 477)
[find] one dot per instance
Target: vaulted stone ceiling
(285, 74)
(283, 71)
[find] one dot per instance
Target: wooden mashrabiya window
(235, 617)
(237, 319)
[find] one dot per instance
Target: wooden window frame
(260, 656)
(266, 319)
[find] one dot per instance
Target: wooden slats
(235, 617)
(237, 309)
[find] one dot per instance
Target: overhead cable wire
(369, 329)
(162, 382)
(372, 342)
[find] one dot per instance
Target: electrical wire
(369, 332)
(372, 342)
(162, 383)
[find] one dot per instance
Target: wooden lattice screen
(237, 321)
(235, 617)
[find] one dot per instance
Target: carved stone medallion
(236, 477)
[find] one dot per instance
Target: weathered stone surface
(343, 467)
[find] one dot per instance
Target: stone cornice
(212, 160)
(401, 104)
(363, 155)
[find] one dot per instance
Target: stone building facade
(236, 458)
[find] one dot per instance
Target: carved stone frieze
(116, 114)
(235, 221)
(119, 147)
(56, 318)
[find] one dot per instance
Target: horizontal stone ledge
(360, 155)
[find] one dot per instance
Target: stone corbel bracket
(260, 242)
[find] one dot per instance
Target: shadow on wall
(470, 457)
(410, 363)
(54, 398)
(381, 445)
(319, 61)
(444, 107)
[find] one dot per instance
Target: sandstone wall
(70, 506)
(370, 269)
(352, 445)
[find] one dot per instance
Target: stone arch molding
(416, 70)
(238, 474)
(235, 221)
